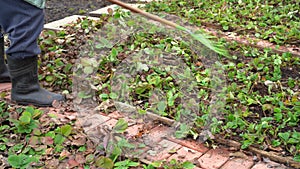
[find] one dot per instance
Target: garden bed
(256, 109)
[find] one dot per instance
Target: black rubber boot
(4, 75)
(25, 85)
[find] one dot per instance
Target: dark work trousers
(23, 23)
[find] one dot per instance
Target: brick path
(161, 145)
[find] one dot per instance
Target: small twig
(271, 155)
(161, 119)
(277, 158)
(201, 37)
(149, 15)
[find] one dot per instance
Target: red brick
(238, 163)
(262, 165)
(5, 86)
(131, 131)
(157, 134)
(98, 133)
(186, 154)
(214, 158)
(95, 135)
(134, 130)
(192, 144)
(110, 123)
(139, 152)
(90, 122)
(162, 151)
(116, 115)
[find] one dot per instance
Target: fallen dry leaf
(47, 140)
(238, 154)
(40, 148)
(80, 141)
(277, 149)
(64, 154)
(33, 141)
(49, 151)
(52, 164)
(73, 163)
(80, 158)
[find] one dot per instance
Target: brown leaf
(71, 117)
(47, 140)
(14, 115)
(78, 124)
(63, 165)
(106, 141)
(33, 141)
(80, 141)
(64, 154)
(52, 164)
(56, 104)
(238, 154)
(73, 163)
(233, 148)
(49, 151)
(277, 149)
(110, 11)
(40, 148)
(80, 158)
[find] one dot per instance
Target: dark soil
(57, 9)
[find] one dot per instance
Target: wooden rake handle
(146, 14)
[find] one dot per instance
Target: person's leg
(4, 75)
(23, 23)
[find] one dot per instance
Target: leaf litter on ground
(248, 106)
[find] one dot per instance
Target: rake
(201, 37)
